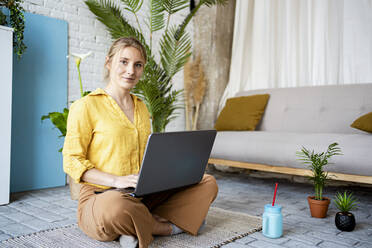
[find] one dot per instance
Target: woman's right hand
(126, 181)
(103, 178)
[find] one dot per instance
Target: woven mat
(222, 228)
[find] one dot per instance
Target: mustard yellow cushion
(242, 113)
(363, 123)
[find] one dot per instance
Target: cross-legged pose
(107, 132)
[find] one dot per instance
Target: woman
(106, 136)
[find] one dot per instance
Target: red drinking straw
(276, 187)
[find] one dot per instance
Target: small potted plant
(344, 220)
(316, 162)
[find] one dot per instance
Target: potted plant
(16, 21)
(344, 220)
(316, 162)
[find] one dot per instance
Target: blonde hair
(117, 46)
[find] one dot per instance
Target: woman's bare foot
(161, 228)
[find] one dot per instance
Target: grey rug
(222, 228)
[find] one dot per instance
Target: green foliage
(175, 52)
(16, 21)
(133, 5)
(345, 202)
(156, 17)
(155, 87)
(59, 120)
(316, 163)
(110, 15)
(173, 6)
(86, 93)
(2, 18)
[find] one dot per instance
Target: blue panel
(39, 87)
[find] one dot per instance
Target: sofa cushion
(363, 123)
(242, 113)
(279, 149)
(315, 109)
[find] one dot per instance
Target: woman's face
(126, 68)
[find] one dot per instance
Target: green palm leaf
(156, 90)
(173, 6)
(316, 163)
(160, 100)
(156, 16)
(110, 15)
(174, 52)
(133, 5)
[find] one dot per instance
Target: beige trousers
(105, 216)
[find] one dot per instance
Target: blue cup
(272, 221)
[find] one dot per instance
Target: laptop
(173, 160)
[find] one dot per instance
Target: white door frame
(6, 67)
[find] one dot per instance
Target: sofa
(311, 117)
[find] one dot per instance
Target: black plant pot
(345, 221)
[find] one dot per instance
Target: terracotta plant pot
(345, 221)
(318, 208)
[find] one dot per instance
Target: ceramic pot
(345, 221)
(318, 208)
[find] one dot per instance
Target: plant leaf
(174, 53)
(345, 202)
(110, 15)
(133, 5)
(86, 93)
(316, 163)
(173, 6)
(156, 91)
(156, 16)
(59, 120)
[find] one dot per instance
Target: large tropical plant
(316, 163)
(155, 87)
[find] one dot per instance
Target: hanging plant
(16, 21)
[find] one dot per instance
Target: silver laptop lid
(173, 160)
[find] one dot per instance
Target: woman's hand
(126, 181)
(102, 178)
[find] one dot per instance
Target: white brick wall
(85, 34)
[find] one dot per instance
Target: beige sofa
(313, 117)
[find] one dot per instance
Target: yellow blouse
(99, 135)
